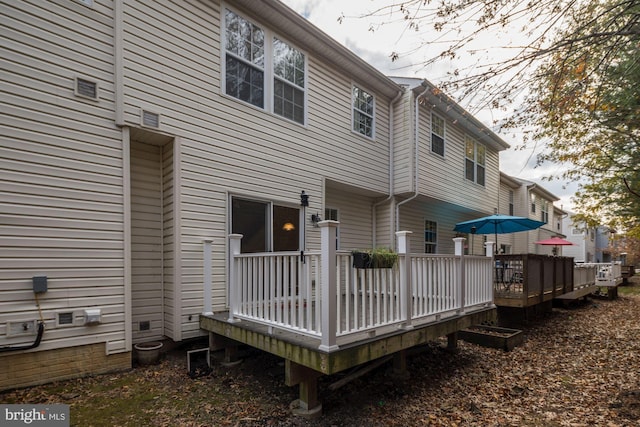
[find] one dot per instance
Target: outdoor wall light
(315, 219)
(304, 199)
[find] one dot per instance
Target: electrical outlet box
(21, 328)
(39, 284)
(92, 316)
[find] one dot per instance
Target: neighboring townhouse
(457, 159)
(583, 239)
(133, 131)
(519, 197)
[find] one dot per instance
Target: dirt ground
(578, 366)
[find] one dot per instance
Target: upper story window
(288, 81)
(545, 211)
(252, 56)
(437, 134)
(474, 161)
(533, 203)
(363, 112)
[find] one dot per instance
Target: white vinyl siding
(230, 147)
(443, 178)
(146, 241)
(61, 183)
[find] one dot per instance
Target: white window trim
(269, 73)
(375, 108)
(443, 136)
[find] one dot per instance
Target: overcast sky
(376, 46)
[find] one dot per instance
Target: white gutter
(391, 167)
(417, 163)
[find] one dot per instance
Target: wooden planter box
(492, 336)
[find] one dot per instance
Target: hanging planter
(148, 353)
(374, 258)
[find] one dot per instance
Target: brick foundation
(26, 369)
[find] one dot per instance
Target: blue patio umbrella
(497, 224)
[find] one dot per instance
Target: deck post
(207, 308)
(404, 250)
(329, 292)
(488, 249)
(234, 249)
(458, 243)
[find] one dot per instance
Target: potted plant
(374, 258)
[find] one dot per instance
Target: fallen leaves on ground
(577, 367)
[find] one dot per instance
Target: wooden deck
(304, 350)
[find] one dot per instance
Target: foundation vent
(150, 119)
(65, 318)
(86, 88)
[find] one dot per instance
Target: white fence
(320, 294)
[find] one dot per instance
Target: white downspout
(417, 164)
(118, 55)
(391, 168)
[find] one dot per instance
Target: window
(264, 226)
(430, 237)
(248, 51)
(545, 211)
(533, 203)
(511, 209)
(288, 81)
(363, 110)
(244, 70)
(437, 134)
(474, 161)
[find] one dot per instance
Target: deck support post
(329, 286)
(230, 347)
(234, 249)
(308, 405)
(403, 239)
(452, 342)
(400, 370)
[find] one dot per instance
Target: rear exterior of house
(134, 131)
(523, 198)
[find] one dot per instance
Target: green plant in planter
(374, 258)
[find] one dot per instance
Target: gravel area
(578, 366)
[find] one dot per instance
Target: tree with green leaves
(573, 87)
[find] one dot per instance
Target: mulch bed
(577, 367)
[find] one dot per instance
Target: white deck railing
(320, 294)
(606, 274)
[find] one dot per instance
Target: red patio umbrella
(555, 242)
